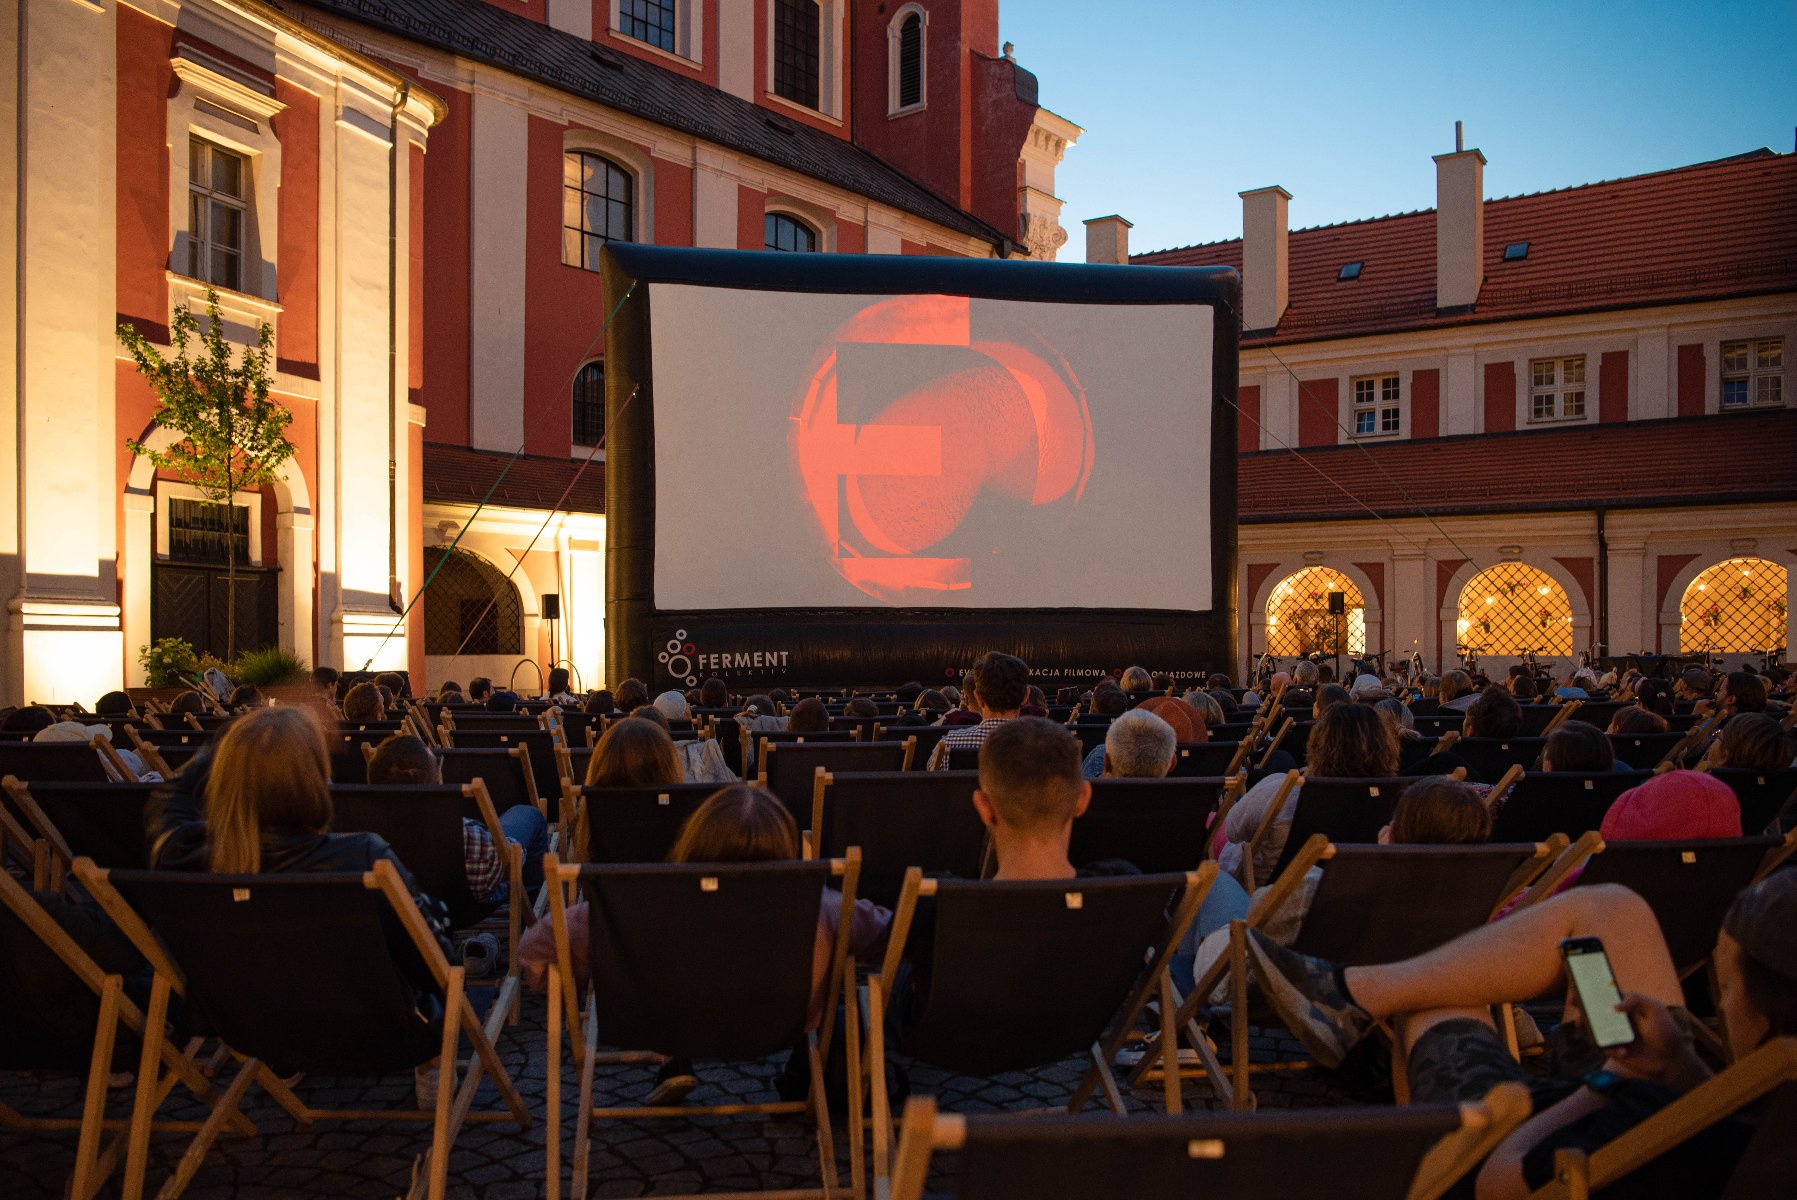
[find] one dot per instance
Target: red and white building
(413, 194)
(1538, 423)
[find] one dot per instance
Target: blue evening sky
(1187, 102)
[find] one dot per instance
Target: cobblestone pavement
(372, 1159)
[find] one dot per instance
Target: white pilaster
(1460, 394)
(736, 49)
(501, 132)
(715, 202)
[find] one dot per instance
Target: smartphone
(1589, 968)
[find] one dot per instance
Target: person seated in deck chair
(557, 689)
(75, 731)
(739, 823)
(1633, 719)
(701, 758)
(1441, 1002)
(1576, 746)
(1457, 694)
(997, 687)
(1752, 742)
(1138, 745)
(362, 704)
(405, 759)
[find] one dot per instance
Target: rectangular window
(197, 532)
(217, 188)
(1557, 388)
(1378, 406)
(1753, 373)
(650, 21)
(796, 51)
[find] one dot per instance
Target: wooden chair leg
(86, 1180)
(552, 1092)
(215, 1123)
(820, 1113)
(876, 1067)
(583, 1124)
(137, 1154)
(857, 1080)
(1241, 1099)
(446, 1063)
(1170, 1079)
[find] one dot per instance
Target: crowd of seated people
(257, 798)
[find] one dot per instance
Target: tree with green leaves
(230, 436)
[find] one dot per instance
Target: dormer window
(1516, 251)
(1348, 272)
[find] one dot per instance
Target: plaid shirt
(485, 867)
(965, 737)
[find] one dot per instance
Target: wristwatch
(1603, 1081)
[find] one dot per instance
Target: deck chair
(1689, 885)
(1412, 751)
(1091, 734)
(101, 821)
(789, 769)
(862, 727)
(1599, 712)
(1007, 976)
(1435, 724)
(246, 950)
(1643, 751)
(967, 758)
(1542, 803)
(927, 736)
(1373, 1153)
(1204, 759)
(1488, 758)
(423, 824)
(1157, 825)
(56, 762)
(78, 1020)
(899, 819)
(631, 825)
(662, 938)
(1766, 1168)
(1373, 904)
(507, 773)
(1345, 811)
(1763, 794)
(462, 721)
(545, 766)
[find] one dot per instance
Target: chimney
(1459, 228)
(1265, 262)
(1107, 240)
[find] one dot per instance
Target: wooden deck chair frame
(1154, 984)
(581, 1032)
(453, 1103)
(94, 1162)
(149, 753)
(54, 851)
(1577, 1175)
(1483, 1125)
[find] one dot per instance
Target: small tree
(231, 437)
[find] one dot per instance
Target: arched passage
(1514, 609)
(1737, 606)
(1298, 621)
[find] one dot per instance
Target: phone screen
(1589, 967)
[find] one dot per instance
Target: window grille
(200, 532)
(1735, 607)
(650, 21)
(1299, 622)
(457, 597)
(1753, 373)
(781, 232)
(589, 405)
(1377, 406)
(217, 200)
(598, 205)
(1514, 608)
(1557, 388)
(796, 51)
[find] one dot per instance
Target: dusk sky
(1187, 102)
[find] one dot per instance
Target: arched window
(1513, 608)
(1735, 607)
(797, 50)
(1299, 622)
(589, 405)
(598, 205)
(906, 63)
(469, 607)
(783, 232)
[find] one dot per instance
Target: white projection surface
(834, 451)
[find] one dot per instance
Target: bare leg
(1518, 958)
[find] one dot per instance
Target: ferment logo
(920, 411)
(683, 659)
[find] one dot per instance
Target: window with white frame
(798, 49)
(1378, 406)
(905, 61)
(217, 197)
(1557, 388)
(598, 206)
(1753, 372)
(650, 21)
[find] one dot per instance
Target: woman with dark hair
(809, 716)
(1753, 742)
(635, 753)
(1576, 746)
(557, 688)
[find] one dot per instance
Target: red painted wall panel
(1691, 380)
(1375, 573)
(926, 144)
(907, 246)
(751, 218)
(1666, 569)
(144, 83)
(1613, 386)
(673, 203)
(851, 238)
(1584, 573)
(1247, 425)
(1425, 403)
(564, 307)
(1500, 397)
(297, 281)
(1317, 412)
(447, 199)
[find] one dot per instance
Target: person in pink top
(738, 823)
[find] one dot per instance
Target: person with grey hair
(1139, 745)
(1136, 679)
(1398, 714)
(1205, 704)
(1305, 674)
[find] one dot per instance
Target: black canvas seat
(545, 766)
(927, 736)
(1091, 734)
(1008, 976)
(789, 769)
(1205, 759)
(159, 738)
(480, 720)
(899, 819)
(1156, 825)
(633, 825)
(54, 762)
(1763, 794)
(1413, 750)
(967, 758)
(861, 727)
(1599, 712)
(1488, 758)
(1543, 803)
(1434, 724)
(1411, 1153)
(1345, 811)
(374, 997)
(507, 772)
(1643, 751)
(661, 937)
(101, 821)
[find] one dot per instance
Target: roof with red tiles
(458, 475)
(1708, 231)
(1684, 462)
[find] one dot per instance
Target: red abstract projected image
(911, 420)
